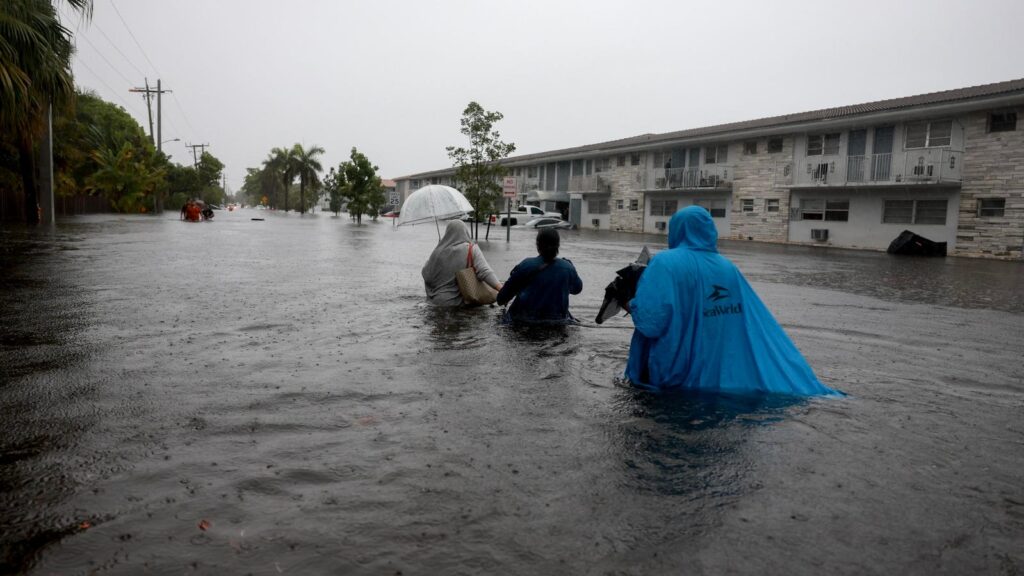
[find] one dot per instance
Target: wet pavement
(275, 397)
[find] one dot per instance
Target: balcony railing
(926, 165)
(590, 183)
(708, 176)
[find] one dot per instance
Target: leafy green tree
(35, 73)
(127, 177)
(92, 124)
(261, 186)
(308, 168)
(478, 168)
(209, 170)
(182, 184)
(334, 185)
(362, 187)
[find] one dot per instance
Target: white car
(535, 212)
(523, 214)
(547, 222)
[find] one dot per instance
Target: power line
(123, 55)
(109, 63)
(101, 81)
(182, 110)
(130, 33)
(146, 56)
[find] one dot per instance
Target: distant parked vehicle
(523, 214)
(547, 223)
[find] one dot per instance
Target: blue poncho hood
(700, 326)
(693, 228)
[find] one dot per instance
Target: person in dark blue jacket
(541, 285)
(701, 327)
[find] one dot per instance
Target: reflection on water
(680, 443)
(286, 382)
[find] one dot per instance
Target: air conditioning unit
(596, 223)
(659, 225)
(820, 234)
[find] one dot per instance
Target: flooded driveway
(275, 397)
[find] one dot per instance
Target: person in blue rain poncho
(700, 326)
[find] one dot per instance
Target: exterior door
(575, 211)
(855, 160)
(881, 159)
(692, 175)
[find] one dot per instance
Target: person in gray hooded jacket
(450, 256)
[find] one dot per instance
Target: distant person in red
(192, 212)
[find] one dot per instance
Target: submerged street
(275, 396)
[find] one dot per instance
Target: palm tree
(35, 73)
(282, 162)
(308, 167)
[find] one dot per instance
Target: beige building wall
(993, 167)
(626, 183)
(760, 177)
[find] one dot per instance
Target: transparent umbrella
(433, 203)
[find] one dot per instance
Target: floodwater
(275, 397)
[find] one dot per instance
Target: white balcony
(921, 166)
(589, 183)
(709, 176)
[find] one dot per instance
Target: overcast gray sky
(392, 77)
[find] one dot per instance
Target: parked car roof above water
(547, 223)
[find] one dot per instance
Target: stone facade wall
(626, 183)
(760, 176)
(993, 168)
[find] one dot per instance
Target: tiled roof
(943, 97)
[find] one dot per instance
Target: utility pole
(148, 92)
(195, 158)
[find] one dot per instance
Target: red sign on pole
(509, 187)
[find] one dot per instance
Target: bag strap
(469, 257)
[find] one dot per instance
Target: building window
(747, 204)
(750, 147)
(588, 167)
(634, 159)
(837, 210)
(716, 154)
(531, 172)
(1002, 121)
(812, 209)
(577, 167)
(634, 204)
(715, 207)
(663, 207)
(898, 212)
(771, 205)
(929, 134)
(774, 145)
(823, 144)
(620, 161)
(993, 207)
(597, 207)
(618, 204)
(914, 212)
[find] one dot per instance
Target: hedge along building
(946, 165)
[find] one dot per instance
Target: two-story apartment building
(946, 165)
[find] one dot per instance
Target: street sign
(509, 187)
(395, 199)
